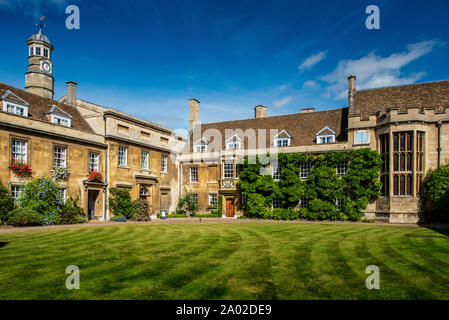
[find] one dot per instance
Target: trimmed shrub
(71, 213)
(141, 210)
(43, 196)
(21, 217)
(6, 204)
(121, 204)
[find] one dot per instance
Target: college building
(101, 147)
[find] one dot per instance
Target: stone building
(407, 125)
(45, 133)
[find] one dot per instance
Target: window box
(61, 173)
(20, 168)
(95, 175)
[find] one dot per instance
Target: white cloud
(310, 84)
(375, 71)
(282, 102)
(312, 61)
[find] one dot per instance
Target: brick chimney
(260, 111)
(308, 110)
(351, 93)
(194, 113)
(71, 93)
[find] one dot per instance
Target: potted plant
(61, 173)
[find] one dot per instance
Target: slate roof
(38, 107)
(430, 94)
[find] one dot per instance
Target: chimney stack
(260, 111)
(71, 93)
(308, 110)
(351, 93)
(194, 113)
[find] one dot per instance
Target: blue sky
(148, 58)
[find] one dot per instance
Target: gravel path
(10, 229)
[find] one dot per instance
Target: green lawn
(226, 261)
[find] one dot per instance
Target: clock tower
(39, 78)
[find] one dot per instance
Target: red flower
(20, 168)
(95, 175)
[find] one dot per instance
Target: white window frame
(195, 197)
(339, 204)
(232, 144)
(12, 108)
(304, 202)
(227, 171)
(59, 153)
(19, 150)
(200, 145)
(122, 156)
(61, 120)
(342, 168)
(193, 174)
(213, 199)
(276, 172)
(325, 139)
(94, 163)
(282, 142)
(36, 51)
(164, 164)
(145, 160)
(63, 193)
(16, 191)
(305, 170)
(359, 133)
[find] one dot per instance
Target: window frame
(13, 193)
(23, 154)
(212, 195)
(145, 165)
(123, 156)
(15, 106)
(307, 165)
(60, 120)
(164, 164)
(226, 171)
(276, 172)
(193, 175)
(356, 132)
(55, 158)
(89, 163)
(344, 165)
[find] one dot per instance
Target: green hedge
(355, 189)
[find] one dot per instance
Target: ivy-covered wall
(323, 186)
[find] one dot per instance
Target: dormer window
(282, 139)
(233, 143)
(200, 145)
(14, 104)
(60, 117)
(325, 135)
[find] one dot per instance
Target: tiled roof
(302, 127)
(39, 106)
(431, 94)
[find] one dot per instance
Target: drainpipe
(106, 174)
(439, 143)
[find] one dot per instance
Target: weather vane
(41, 23)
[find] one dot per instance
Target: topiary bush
(435, 201)
(71, 213)
(141, 210)
(21, 217)
(121, 204)
(43, 196)
(6, 204)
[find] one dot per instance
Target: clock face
(46, 67)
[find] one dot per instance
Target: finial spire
(41, 23)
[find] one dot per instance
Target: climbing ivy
(355, 189)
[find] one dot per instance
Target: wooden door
(164, 201)
(229, 207)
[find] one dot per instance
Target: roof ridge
(403, 85)
(277, 116)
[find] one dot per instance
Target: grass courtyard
(226, 261)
